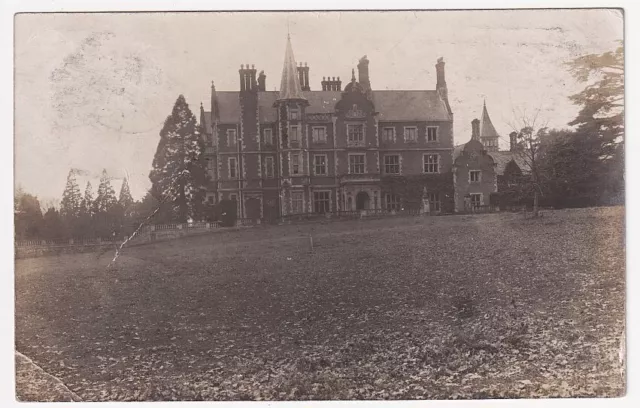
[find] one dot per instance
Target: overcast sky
(92, 90)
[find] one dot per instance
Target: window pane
(320, 163)
(232, 167)
(295, 134)
(355, 133)
(356, 164)
(432, 134)
(295, 158)
(431, 163)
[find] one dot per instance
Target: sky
(92, 90)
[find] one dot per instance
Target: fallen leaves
(383, 309)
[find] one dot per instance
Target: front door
(362, 201)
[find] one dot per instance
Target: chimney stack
(475, 129)
(441, 84)
(363, 73)
(262, 82)
(303, 75)
(513, 141)
(331, 84)
(248, 78)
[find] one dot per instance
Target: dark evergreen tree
(125, 199)
(105, 209)
(600, 122)
(178, 176)
(106, 198)
(85, 225)
(602, 101)
(87, 201)
(28, 216)
(71, 199)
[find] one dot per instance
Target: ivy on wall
(411, 188)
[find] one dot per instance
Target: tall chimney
(262, 82)
(475, 129)
(363, 73)
(247, 78)
(513, 141)
(243, 83)
(303, 76)
(441, 84)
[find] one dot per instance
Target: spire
(290, 85)
(486, 127)
(353, 75)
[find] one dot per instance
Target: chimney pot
(241, 66)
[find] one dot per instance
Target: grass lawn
(484, 306)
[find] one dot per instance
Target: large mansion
(301, 150)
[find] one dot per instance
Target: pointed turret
(290, 85)
(488, 134)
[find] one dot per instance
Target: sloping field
(483, 306)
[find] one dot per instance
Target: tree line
(80, 214)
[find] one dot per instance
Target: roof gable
(502, 158)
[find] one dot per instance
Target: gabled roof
(410, 106)
(486, 127)
(290, 84)
(503, 157)
(391, 105)
(228, 108)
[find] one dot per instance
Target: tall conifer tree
(71, 198)
(87, 201)
(106, 198)
(178, 176)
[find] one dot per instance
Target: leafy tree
(574, 169)
(178, 176)
(71, 199)
(28, 215)
(529, 145)
(52, 226)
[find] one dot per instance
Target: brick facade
(300, 150)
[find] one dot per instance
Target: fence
(147, 233)
(358, 214)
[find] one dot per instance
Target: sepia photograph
(319, 205)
